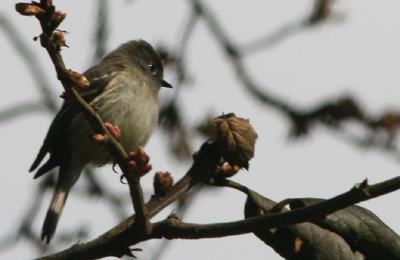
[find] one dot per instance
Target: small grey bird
(124, 87)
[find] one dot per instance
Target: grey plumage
(124, 86)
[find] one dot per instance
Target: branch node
(363, 187)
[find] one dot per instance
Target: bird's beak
(165, 84)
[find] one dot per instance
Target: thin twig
(70, 84)
(22, 109)
(173, 229)
(101, 30)
(31, 62)
(291, 112)
(116, 241)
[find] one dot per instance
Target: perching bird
(124, 87)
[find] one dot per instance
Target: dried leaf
(335, 112)
(332, 113)
(362, 230)
(236, 139)
(304, 241)
(29, 9)
(388, 121)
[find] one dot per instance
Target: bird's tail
(67, 176)
(54, 213)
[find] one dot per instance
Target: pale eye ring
(152, 68)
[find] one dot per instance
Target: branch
(116, 242)
(330, 114)
(21, 109)
(320, 13)
(101, 30)
(52, 42)
(31, 62)
(234, 54)
(174, 229)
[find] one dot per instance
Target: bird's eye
(152, 68)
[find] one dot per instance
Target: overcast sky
(356, 52)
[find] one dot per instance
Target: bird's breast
(131, 105)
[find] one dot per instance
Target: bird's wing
(55, 142)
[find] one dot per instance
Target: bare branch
(21, 109)
(52, 42)
(31, 62)
(172, 229)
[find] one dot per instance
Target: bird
(124, 88)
